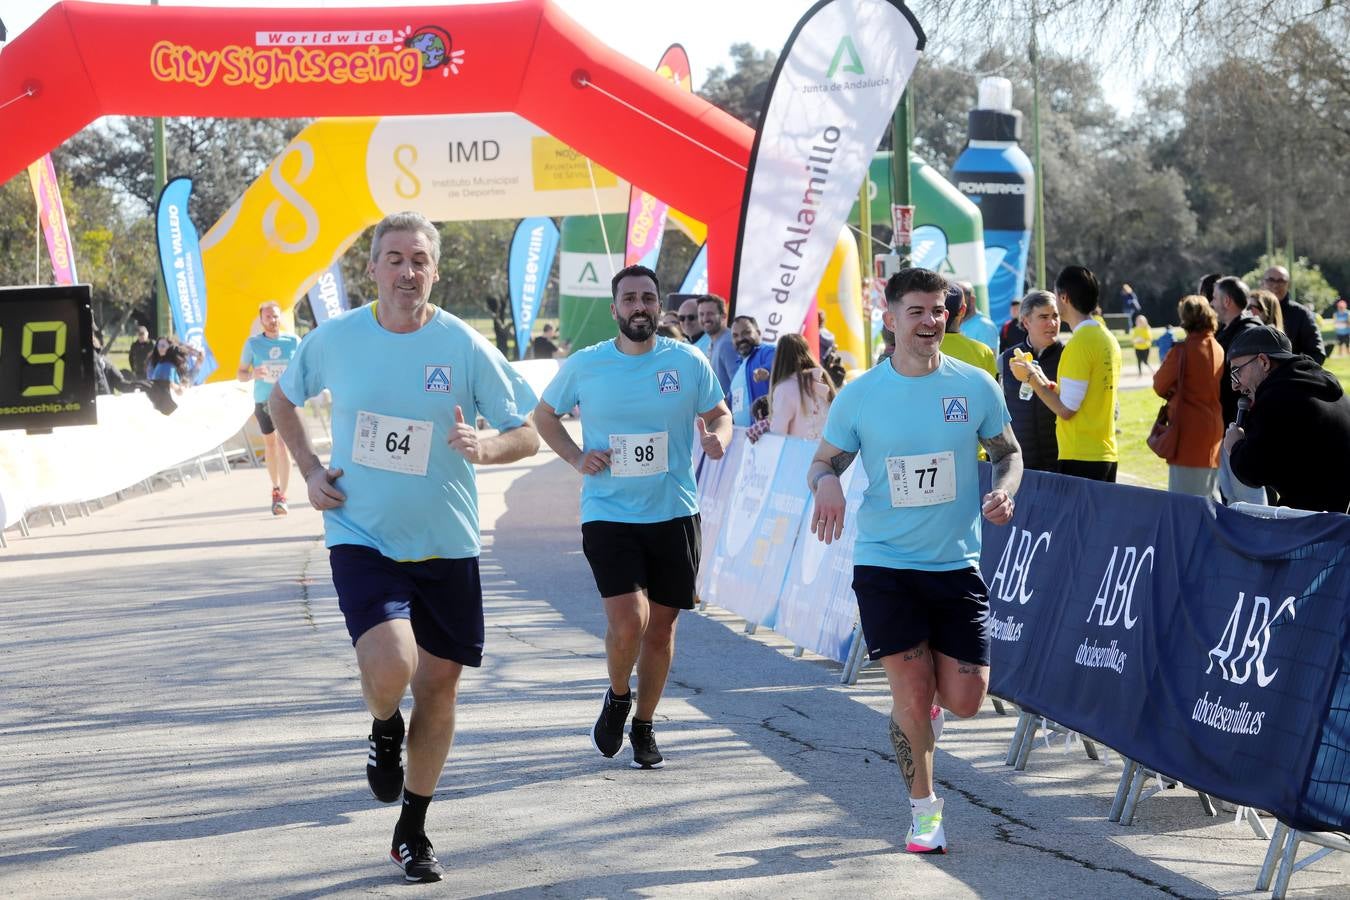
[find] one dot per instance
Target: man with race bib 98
(263, 360)
(644, 401)
(400, 504)
(916, 420)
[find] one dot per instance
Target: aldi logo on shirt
(955, 409)
(437, 380)
(668, 381)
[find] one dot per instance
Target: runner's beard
(638, 333)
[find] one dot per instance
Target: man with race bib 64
(400, 504)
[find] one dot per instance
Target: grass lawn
(1138, 409)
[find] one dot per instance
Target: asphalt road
(181, 718)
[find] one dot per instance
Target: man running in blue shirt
(916, 421)
(400, 504)
(263, 360)
(644, 401)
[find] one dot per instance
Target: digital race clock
(46, 357)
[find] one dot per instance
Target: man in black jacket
(1296, 404)
(1300, 322)
(1230, 304)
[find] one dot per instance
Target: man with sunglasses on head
(1295, 404)
(1300, 322)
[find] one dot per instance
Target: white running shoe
(938, 718)
(925, 832)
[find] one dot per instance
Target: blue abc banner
(180, 259)
(328, 296)
(1202, 642)
(533, 247)
(696, 279)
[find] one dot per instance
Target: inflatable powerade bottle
(998, 177)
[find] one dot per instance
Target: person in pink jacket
(799, 391)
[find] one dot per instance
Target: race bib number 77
(924, 479)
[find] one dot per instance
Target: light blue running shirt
(658, 392)
(917, 422)
(419, 378)
(269, 358)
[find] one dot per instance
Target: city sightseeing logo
(353, 56)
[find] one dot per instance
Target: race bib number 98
(924, 479)
(391, 443)
(633, 455)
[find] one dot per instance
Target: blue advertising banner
(1202, 642)
(533, 247)
(696, 279)
(180, 259)
(328, 296)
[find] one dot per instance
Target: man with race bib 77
(644, 401)
(916, 420)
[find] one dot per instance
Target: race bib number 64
(924, 479)
(391, 443)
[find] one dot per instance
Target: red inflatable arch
(85, 60)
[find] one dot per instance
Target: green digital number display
(46, 357)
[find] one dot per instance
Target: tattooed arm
(1006, 458)
(822, 479)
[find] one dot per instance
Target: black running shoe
(607, 735)
(645, 754)
(417, 859)
(384, 767)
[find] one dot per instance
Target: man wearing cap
(1300, 322)
(1296, 404)
(960, 346)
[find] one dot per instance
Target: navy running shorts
(264, 418)
(902, 608)
(660, 558)
(442, 597)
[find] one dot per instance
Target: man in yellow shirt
(957, 345)
(1084, 400)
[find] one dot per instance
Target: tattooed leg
(904, 756)
(912, 682)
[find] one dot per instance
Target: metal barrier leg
(1028, 741)
(797, 651)
(1206, 804)
(1254, 820)
(857, 650)
(1273, 853)
(1019, 735)
(23, 527)
(1286, 869)
(751, 627)
(1132, 797)
(998, 706)
(224, 459)
(1123, 789)
(1089, 748)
